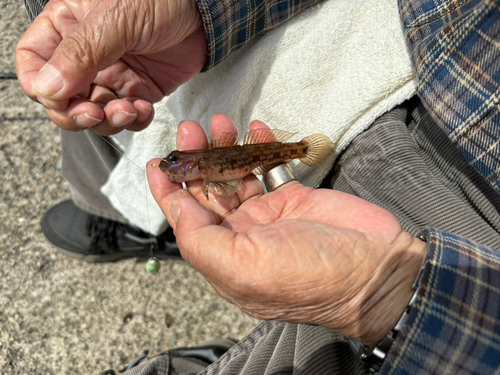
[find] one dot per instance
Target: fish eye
(172, 158)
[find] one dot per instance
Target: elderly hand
(102, 63)
(296, 254)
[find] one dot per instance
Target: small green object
(153, 265)
(153, 165)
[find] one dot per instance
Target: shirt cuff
(229, 24)
(454, 326)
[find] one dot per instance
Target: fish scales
(239, 161)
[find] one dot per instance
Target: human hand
(102, 63)
(296, 254)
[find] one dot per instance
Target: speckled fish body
(231, 163)
(226, 161)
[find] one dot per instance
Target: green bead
(153, 265)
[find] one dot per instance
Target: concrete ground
(62, 316)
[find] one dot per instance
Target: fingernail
(175, 210)
(48, 81)
(145, 114)
(121, 119)
(85, 120)
(179, 126)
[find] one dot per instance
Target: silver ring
(278, 176)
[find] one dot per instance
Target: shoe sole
(115, 257)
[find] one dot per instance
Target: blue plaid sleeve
(456, 55)
(229, 24)
(454, 328)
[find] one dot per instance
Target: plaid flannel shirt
(454, 327)
(455, 48)
(229, 24)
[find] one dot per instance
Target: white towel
(333, 69)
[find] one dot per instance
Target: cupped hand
(296, 254)
(103, 63)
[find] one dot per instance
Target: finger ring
(278, 176)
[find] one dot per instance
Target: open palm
(296, 254)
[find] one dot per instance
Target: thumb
(96, 43)
(200, 237)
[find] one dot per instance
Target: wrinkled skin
(297, 254)
(114, 58)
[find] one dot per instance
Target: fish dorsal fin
(266, 136)
(225, 140)
(225, 188)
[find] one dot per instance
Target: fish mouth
(164, 166)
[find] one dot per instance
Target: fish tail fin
(320, 146)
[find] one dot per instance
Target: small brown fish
(225, 163)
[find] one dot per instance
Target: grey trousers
(405, 164)
(87, 161)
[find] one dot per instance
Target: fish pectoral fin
(204, 187)
(263, 169)
(266, 136)
(225, 140)
(225, 188)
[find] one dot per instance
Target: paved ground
(61, 316)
